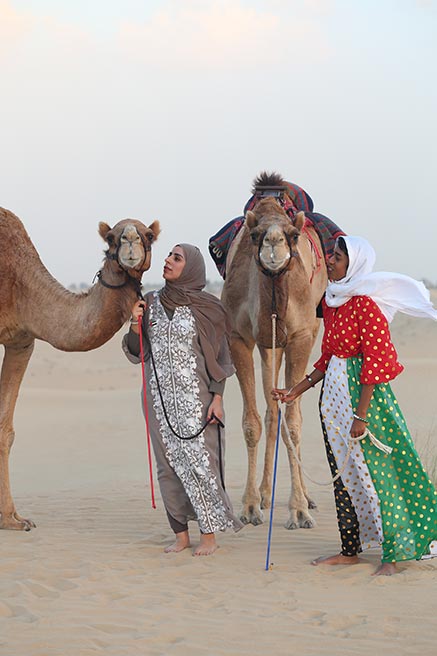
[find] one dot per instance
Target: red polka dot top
(359, 327)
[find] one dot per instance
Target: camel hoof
(308, 523)
(17, 523)
(252, 516)
(291, 525)
(303, 520)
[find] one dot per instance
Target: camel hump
(12, 230)
(8, 217)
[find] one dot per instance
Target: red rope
(146, 414)
(314, 247)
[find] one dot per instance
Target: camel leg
(242, 356)
(14, 366)
(298, 504)
(296, 358)
(270, 421)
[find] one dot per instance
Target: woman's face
(174, 264)
(337, 265)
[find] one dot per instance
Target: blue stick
(269, 539)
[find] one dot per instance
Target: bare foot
(338, 559)
(207, 545)
(386, 569)
(182, 542)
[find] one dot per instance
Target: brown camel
(33, 305)
(276, 264)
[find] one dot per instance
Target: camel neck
(78, 322)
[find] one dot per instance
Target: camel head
(129, 245)
(274, 236)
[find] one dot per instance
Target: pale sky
(167, 109)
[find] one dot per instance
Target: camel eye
(254, 237)
(110, 239)
(150, 236)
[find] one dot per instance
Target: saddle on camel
(293, 199)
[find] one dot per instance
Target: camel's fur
(247, 295)
(33, 305)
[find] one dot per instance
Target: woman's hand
(137, 314)
(284, 395)
(216, 409)
(138, 310)
(358, 427)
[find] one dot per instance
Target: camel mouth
(274, 265)
(131, 262)
(274, 268)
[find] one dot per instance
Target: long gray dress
(189, 471)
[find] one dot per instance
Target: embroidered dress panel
(175, 360)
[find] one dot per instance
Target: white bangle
(355, 416)
(134, 323)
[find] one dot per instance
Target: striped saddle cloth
(296, 200)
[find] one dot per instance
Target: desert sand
(92, 578)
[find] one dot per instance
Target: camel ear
(155, 228)
(103, 229)
(299, 220)
(250, 219)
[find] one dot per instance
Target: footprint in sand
(340, 623)
(114, 629)
(5, 610)
(23, 614)
(40, 590)
(312, 617)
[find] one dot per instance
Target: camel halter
(265, 270)
(136, 283)
(147, 247)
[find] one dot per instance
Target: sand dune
(93, 579)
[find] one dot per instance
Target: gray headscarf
(209, 313)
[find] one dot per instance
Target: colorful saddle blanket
(296, 200)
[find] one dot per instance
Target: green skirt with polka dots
(407, 497)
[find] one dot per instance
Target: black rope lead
(220, 424)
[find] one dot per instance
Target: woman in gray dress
(187, 361)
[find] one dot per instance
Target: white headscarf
(392, 292)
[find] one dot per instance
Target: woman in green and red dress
(383, 495)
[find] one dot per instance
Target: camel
(33, 305)
(276, 267)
